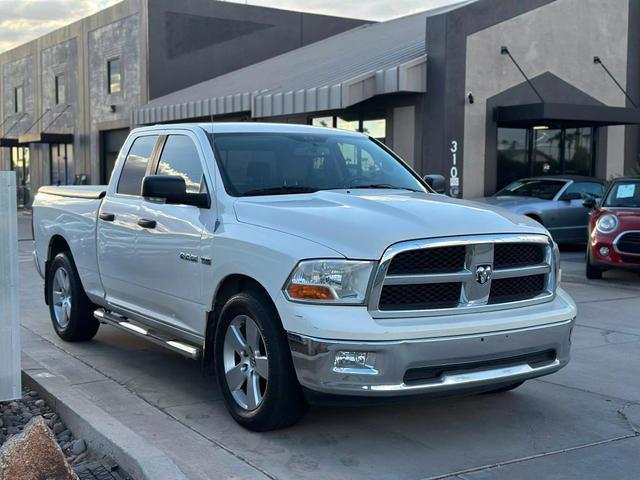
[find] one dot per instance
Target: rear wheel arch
(228, 287)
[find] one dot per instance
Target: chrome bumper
(314, 361)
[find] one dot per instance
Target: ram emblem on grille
(483, 274)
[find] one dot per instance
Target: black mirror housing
(436, 182)
(173, 189)
(589, 203)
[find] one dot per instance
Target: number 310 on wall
(454, 180)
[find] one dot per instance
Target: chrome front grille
(463, 274)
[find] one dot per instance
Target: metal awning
(564, 115)
(331, 74)
(45, 137)
(9, 142)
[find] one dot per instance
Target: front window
(281, 163)
(624, 194)
(114, 75)
(542, 189)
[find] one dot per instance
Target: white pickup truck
(302, 264)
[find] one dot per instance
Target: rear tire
(593, 272)
(70, 309)
(253, 365)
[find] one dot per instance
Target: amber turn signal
(310, 292)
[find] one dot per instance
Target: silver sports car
(556, 202)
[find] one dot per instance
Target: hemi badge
(205, 260)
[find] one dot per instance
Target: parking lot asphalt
(580, 423)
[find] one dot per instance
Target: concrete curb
(101, 431)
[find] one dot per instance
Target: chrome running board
(186, 349)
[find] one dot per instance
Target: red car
(614, 229)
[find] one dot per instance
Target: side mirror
(568, 197)
(589, 203)
(173, 189)
(436, 182)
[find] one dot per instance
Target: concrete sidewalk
(581, 423)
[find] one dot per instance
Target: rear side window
(135, 165)
(180, 157)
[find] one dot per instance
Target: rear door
(168, 259)
(118, 224)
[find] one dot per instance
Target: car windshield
(624, 194)
(285, 163)
(542, 189)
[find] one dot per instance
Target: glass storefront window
(373, 125)
(20, 163)
(513, 162)
(61, 164)
(525, 152)
(578, 144)
(546, 151)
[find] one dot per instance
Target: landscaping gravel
(15, 415)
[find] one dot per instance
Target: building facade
(67, 98)
(483, 92)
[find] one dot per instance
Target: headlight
(330, 281)
(607, 223)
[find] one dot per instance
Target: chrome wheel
(245, 360)
(61, 297)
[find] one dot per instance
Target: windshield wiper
(384, 185)
(281, 190)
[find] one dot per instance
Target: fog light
(355, 362)
(604, 251)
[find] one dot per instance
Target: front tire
(592, 272)
(70, 309)
(254, 367)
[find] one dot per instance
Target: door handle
(146, 223)
(107, 217)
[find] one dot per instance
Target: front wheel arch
(228, 287)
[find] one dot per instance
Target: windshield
(624, 194)
(542, 189)
(285, 163)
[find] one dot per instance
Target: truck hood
(362, 224)
(513, 203)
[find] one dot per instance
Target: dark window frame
(110, 61)
(18, 106)
(57, 85)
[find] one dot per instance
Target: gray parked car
(554, 201)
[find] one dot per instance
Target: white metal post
(10, 384)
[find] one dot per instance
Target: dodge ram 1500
(300, 263)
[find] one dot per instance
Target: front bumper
(464, 362)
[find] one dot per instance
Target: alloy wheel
(61, 297)
(246, 365)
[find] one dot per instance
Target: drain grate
(97, 471)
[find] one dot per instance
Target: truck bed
(89, 192)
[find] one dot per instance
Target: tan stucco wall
(562, 38)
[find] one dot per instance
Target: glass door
(61, 164)
(20, 164)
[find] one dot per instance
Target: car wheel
(506, 388)
(70, 309)
(593, 272)
(253, 365)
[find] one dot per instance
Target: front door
(61, 167)
(169, 250)
(118, 227)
